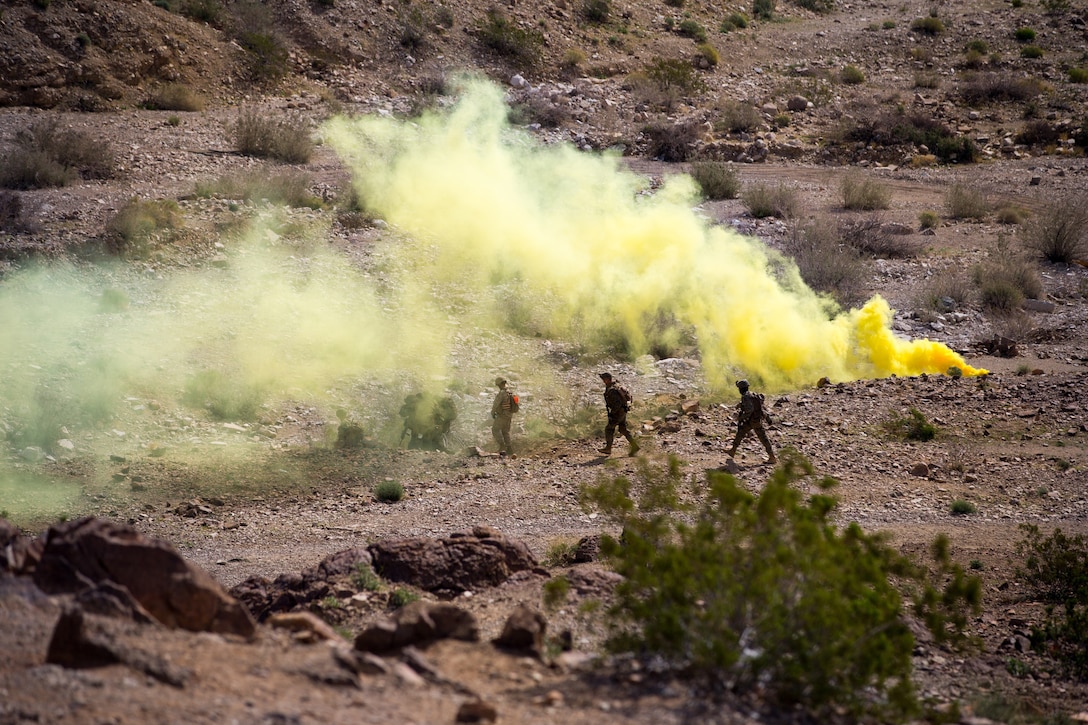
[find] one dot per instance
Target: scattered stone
(303, 622)
(921, 470)
(418, 623)
(524, 630)
(476, 711)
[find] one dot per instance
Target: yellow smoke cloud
(599, 259)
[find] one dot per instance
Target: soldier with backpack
(502, 416)
(750, 417)
(617, 401)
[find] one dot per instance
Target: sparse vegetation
(735, 21)
(1005, 279)
(946, 291)
(825, 263)
(961, 507)
(560, 553)
(979, 88)
(131, 229)
(364, 579)
(860, 194)
(260, 135)
(1078, 74)
(871, 238)
(717, 180)
(851, 75)
(291, 188)
(762, 591)
(737, 117)
(47, 155)
(690, 28)
(1024, 35)
(1031, 52)
(389, 491)
(175, 97)
(964, 202)
(672, 141)
(1060, 233)
(503, 36)
(596, 11)
(763, 9)
(914, 426)
(223, 396)
(778, 201)
(928, 220)
(928, 25)
(556, 591)
(402, 596)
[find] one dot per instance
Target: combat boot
(633, 449)
(607, 450)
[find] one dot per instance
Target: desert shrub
(978, 46)
(224, 397)
(402, 596)
(778, 201)
(690, 28)
(763, 9)
(980, 88)
(205, 11)
(708, 54)
(47, 155)
(282, 139)
(737, 117)
(851, 75)
(890, 127)
(824, 262)
(1031, 51)
(175, 97)
(961, 507)
(1005, 279)
(735, 21)
(364, 578)
(572, 62)
(672, 141)
(501, 35)
(781, 120)
(1024, 35)
(945, 291)
(675, 3)
(555, 591)
(716, 179)
(291, 188)
(1078, 75)
(1010, 214)
(596, 11)
(927, 79)
(538, 109)
(130, 230)
(388, 491)
(963, 202)
(973, 59)
(928, 25)
(413, 28)
(1060, 232)
(560, 553)
(671, 75)
(864, 194)
(871, 238)
(1056, 569)
(763, 592)
(13, 214)
(912, 427)
(816, 6)
(928, 220)
(268, 54)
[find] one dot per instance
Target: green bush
(716, 179)
(928, 220)
(1024, 35)
(737, 117)
(778, 201)
(871, 238)
(736, 21)
(596, 11)
(364, 578)
(556, 591)
(709, 54)
(47, 155)
(1056, 569)
(851, 75)
(978, 88)
(911, 427)
(763, 9)
(1031, 51)
(950, 284)
(928, 25)
(882, 127)
(817, 6)
(1060, 232)
(130, 230)
(692, 29)
(224, 397)
(1078, 75)
(389, 491)
(672, 141)
(175, 97)
(499, 34)
(963, 202)
(268, 54)
(401, 596)
(265, 136)
(864, 194)
(206, 11)
(824, 262)
(764, 593)
(962, 508)
(560, 553)
(978, 46)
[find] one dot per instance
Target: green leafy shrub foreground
(762, 593)
(1056, 570)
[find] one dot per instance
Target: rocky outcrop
(78, 556)
(288, 591)
(459, 563)
(419, 623)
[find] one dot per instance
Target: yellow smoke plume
(595, 257)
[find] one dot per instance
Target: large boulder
(419, 623)
(286, 592)
(80, 555)
(19, 554)
(461, 562)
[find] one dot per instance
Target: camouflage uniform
(750, 417)
(502, 416)
(616, 407)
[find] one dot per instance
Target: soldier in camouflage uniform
(502, 416)
(615, 403)
(750, 417)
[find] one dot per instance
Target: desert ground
(269, 492)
